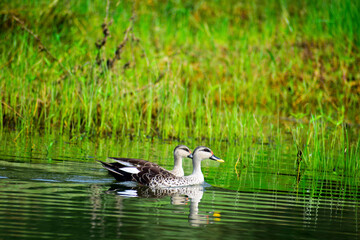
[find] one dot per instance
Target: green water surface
(52, 187)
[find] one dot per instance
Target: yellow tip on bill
(217, 214)
(220, 160)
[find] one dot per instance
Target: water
(51, 187)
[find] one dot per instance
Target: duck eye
(187, 150)
(207, 150)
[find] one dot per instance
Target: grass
(224, 70)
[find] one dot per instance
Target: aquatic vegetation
(251, 75)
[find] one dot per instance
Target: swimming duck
(124, 168)
(154, 176)
(196, 177)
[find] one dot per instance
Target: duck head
(203, 153)
(182, 151)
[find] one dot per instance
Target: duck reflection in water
(178, 195)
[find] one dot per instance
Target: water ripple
(78, 200)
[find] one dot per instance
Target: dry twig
(41, 45)
(105, 29)
(12, 109)
(111, 61)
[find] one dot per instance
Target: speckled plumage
(164, 180)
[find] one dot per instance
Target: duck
(124, 168)
(154, 176)
(195, 178)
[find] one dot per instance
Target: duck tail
(115, 170)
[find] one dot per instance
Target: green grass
(223, 70)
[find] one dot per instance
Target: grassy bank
(221, 70)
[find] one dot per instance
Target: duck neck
(177, 163)
(197, 167)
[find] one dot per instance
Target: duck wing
(132, 169)
(133, 162)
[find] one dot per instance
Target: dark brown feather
(147, 170)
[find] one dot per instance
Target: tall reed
(219, 70)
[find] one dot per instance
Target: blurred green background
(211, 69)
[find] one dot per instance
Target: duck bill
(190, 155)
(215, 158)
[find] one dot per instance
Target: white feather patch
(130, 169)
(124, 163)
